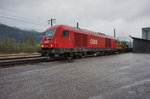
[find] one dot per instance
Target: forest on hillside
(27, 45)
(14, 40)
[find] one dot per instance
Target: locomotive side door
(70, 39)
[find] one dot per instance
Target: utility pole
(51, 20)
(77, 25)
(130, 41)
(114, 33)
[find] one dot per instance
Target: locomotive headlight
(42, 46)
(51, 45)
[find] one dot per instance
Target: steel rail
(13, 62)
(25, 57)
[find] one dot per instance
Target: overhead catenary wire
(17, 18)
(10, 10)
(15, 12)
(20, 20)
(6, 14)
(6, 9)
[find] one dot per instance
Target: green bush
(8, 45)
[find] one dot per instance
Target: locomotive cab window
(65, 33)
(49, 33)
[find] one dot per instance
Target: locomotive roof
(75, 29)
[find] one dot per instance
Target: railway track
(10, 62)
(10, 57)
(18, 61)
(1, 59)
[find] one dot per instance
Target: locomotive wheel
(102, 53)
(51, 58)
(75, 56)
(106, 53)
(68, 56)
(42, 54)
(83, 55)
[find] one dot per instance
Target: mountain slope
(17, 33)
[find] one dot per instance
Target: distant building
(146, 33)
(141, 45)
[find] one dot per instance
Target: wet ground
(120, 76)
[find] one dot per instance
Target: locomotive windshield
(49, 33)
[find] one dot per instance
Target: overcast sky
(127, 16)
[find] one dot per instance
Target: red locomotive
(67, 41)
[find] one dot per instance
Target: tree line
(27, 44)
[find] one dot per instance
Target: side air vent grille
(84, 40)
(77, 39)
(107, 43)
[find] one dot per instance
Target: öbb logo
(93, 41)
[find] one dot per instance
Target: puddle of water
(124, 67)
(136, 84)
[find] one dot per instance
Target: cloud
(127, 16)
